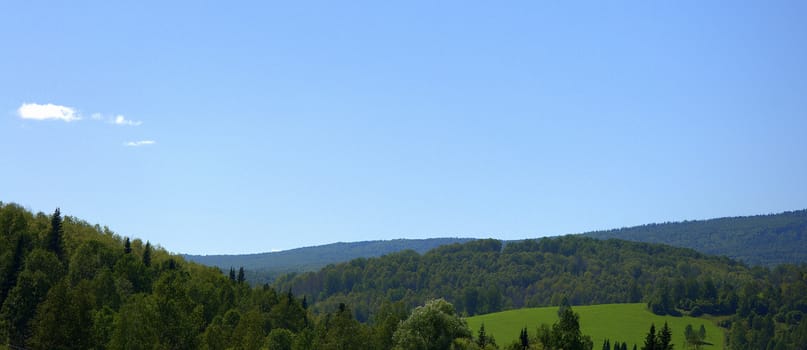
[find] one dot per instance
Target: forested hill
(762, 307)
(264, 267)
(482, 276)
(68, 284)
(766, 240)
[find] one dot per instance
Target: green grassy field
(617, 322)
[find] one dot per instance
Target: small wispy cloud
(121, 120)
(48, 111)
(139, 143)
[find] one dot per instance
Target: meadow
(617, 322)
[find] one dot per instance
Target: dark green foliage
(650, 341)
(147, 255)
(11, 270)
(665, 338)
(241, 278)
(524, 339)
(564, 334)
(265, 267)
(483, 339)
(386, 321)
(91, 294)
(480, 277)
(767, 240)
(53, 242)
(99, 296)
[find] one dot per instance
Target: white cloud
(96, 116)
(47, 111)
(139, 143)
(121, 120)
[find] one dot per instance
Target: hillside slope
(766, 240)
(617, 322)
(264, 267)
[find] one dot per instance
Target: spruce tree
(53, 242)
(232, 274)
(241, 277)
(650, 341)
(525, 339)
(147, 254)
(665, 338)
(482, 338)
(127, 246)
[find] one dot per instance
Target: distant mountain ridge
(766, 240)
(264, 267)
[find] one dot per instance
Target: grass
(617, 322)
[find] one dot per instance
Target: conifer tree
(127, 246)
(665, 338)
(147, 255)
(241, 277)
(525, 339)
(650, 341)
(232, 274)
(53, 241)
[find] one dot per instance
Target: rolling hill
(766, 240)
(265, 267)
(763, 240)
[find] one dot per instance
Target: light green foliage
(65, 319)
(279, 339)
(433, 326)
(340, 330)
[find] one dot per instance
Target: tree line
(67, 284)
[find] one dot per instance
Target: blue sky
(236, 127)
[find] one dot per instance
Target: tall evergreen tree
(241, 277)
(232, 274)
(664, 338)
(127, 246)
(147, 255)
(53, 241)
(482, 338)
(650, 341)
(525, 339)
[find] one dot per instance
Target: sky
(240, 127)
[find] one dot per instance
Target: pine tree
(147, 254)
(127, 246)
(232, 274)
(54, 240)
